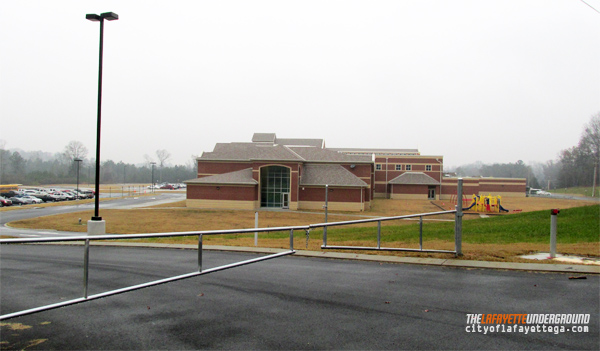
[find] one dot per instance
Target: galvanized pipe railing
(379, 220)
(87, 238)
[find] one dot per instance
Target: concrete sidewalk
(450, 262)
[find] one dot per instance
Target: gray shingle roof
(377, 151)
(264, 138)
(414, 178)
(314, 154)
(274, 152)
(250, 151)
(324, 174)
(243, 177)
(302, 142)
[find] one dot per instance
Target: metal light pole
(111, 16)
(78, 160)
(152, 163)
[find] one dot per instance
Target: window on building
(428, 168)
(408, 167)
(275, 182)
(398, 167)
(378, 167)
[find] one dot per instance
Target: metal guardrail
(382, 219)
(200, 234)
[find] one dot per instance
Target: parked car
(11, 193)
(59, 196)
(54, 198)
(68, 195)
(18, 201)
(167, 186)
(5, 202)
(32, 199)
(46, 197)
(21, 200)
(73, 193)
(87, 192)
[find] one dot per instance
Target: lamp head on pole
(93, 17)
(111, 16)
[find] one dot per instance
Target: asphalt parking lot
(286, 303)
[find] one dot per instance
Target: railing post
(291, 239)
(458, 219)
(421, 233)
(200, 253)
(86, 264)
(378, 235)
(326, 205)
(553, 229)
(256, 226)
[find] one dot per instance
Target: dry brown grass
(177, 218)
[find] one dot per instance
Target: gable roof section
(301, 142)
(414, 178)
(314, 154)
(378, 152)
(249, 152)
(274, 152)
(243, 177)
(324, 174)
(264, 138)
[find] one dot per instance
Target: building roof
(250, 151)
(273, 139)
(300, 142)
(315, 154)
(379, 152)
(264, 138)
(414, 178)
(243, 177)
(275, 152)
(327, 174)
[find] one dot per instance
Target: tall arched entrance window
(275, 187)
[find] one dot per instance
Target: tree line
(577, 166)
(40, 168)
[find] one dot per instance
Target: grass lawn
(498, 238)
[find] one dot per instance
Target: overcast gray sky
(490, 81)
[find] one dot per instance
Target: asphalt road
(282, 304)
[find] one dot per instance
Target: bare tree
(75, 149)
(193, 162)
(590, 142)
(163, 156)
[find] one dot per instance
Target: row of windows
(379, 167)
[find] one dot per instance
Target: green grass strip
(575, 225)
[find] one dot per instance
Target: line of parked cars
(39, 195)
(171, 186)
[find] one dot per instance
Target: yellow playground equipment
(487, 203)
(480, 203)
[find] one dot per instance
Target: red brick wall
(412, 189)
(335, 194)
(210, 192)
(418, 164)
